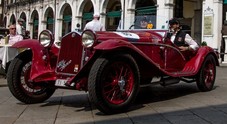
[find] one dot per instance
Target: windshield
(150, 22)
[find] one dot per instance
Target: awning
(88, 16)
(50, 21)
(114, 14)
(67, 18)
(225, 2)
(148, 10)
(36, 22)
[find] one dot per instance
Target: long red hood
(133, 36)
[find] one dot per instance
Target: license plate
(60, 82)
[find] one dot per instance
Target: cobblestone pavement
(177, 104)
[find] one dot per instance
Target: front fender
(41, 69)
(28, 43)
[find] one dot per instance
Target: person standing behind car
(95, 24)
(20, 27)
(181, 39)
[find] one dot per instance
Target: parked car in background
(111, 66)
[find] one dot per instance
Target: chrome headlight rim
(46, 38)
(88, 38)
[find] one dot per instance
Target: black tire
(206, 76)
(20, 87)
(113, 83)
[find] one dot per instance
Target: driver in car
(181, 39)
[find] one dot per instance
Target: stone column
(164, 13)
(41, 24)
(212, 23)
(58, 29)
(129, 18)
(78, 19)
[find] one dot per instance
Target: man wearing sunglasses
(13, 36)
(7, 53)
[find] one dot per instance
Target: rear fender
(41, 69)
(193, 66)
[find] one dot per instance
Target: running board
(151, 84)
(168, 81)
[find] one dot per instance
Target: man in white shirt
(20, 28)
(7, 53)
(95, 24)
(13, 36)
(181, 39)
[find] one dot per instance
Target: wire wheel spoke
(118, 83)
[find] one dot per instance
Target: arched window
(87, 13)
(113, 15)
(67, 20)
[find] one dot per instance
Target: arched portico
(66, 22)
(138, 10)
(113, 15)
(48, 19)
(34, 24)
(23, 16)
(87, 10)
(12, 19)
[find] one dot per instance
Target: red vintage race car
(111, 66)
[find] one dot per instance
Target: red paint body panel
(42, 69)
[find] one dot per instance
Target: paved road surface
(177, 104)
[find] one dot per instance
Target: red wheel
(206, 76)
(118, 83)
(24, 90)
(113, 83)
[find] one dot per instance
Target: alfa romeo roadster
(111, 66)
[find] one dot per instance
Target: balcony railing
(21, 2)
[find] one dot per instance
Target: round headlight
(46, 38)
(88, 38)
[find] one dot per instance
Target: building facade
(1, 13)
(201, 18)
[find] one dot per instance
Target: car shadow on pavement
(159, 93)
(79, 101)
(145, 96)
